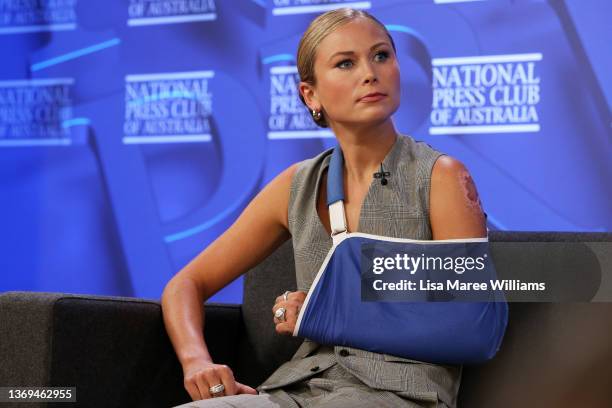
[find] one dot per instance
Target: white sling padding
(337, 219)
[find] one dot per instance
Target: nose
(369, 74)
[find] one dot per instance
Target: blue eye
(380, 56)
(385, 55)
(342, 65)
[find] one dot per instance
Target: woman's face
(355, 60)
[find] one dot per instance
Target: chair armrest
(112, 349)
(25, 337)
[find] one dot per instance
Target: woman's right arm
(259, 230)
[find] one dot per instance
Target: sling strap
(335, 196)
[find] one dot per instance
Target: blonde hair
(318, 29)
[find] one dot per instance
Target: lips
(372, 97)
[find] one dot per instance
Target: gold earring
(316, 115)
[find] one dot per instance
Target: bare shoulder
(286, 176)
(455, 206)
(447, 164)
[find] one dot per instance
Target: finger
(245, 389)
(292, 311)
(227, 377)
(286, 305)
(282, 297)
(282, 303)
(208, 379)
(292, 296)
(214, 378)
(203, 385)
(285, 328)
(298, 296)
(192, 390)
(276, 306)
(284, 320)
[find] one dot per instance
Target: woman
(350, 82)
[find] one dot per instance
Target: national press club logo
(172, 107)
(289, 118)
(34, 16)
(35, 112)
(485, 94)
(289, 7)
(156, 12)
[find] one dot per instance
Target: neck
(365, 148)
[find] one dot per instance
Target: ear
(309, 94)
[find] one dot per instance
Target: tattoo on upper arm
(470, 192)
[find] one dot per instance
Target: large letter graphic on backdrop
(154, 251)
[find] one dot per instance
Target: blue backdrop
(132, 133)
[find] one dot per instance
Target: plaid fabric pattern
(336, 376)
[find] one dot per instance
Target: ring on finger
(286, 295)
(280, 314)
(216, 389)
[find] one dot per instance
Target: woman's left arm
(455, 210)
(455, 213)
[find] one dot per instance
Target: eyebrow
(353, 52)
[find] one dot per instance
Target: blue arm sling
(445, 332)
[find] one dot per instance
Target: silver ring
(216, 389)
(286, 295)
(280, 314)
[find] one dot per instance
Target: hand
(292, 306)
(201, 375)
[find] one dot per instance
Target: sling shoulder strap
(335, 196)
